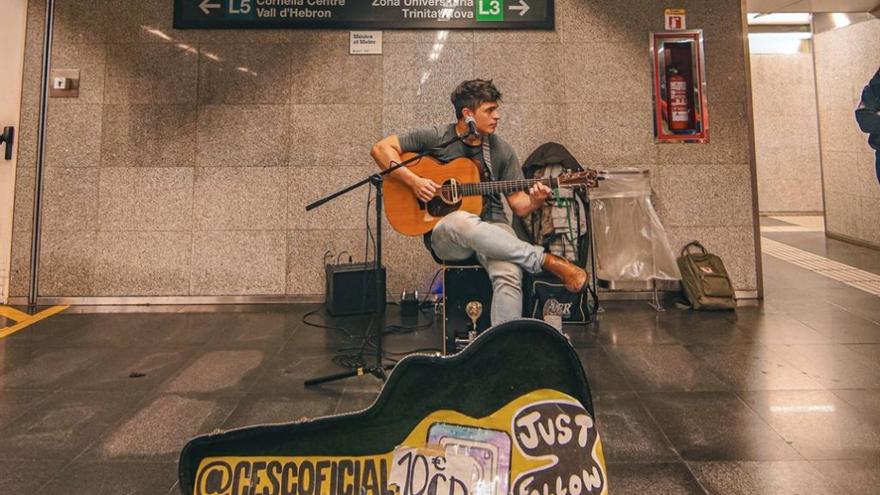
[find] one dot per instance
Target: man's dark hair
(470, 94)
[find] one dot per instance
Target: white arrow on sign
(206, 6)
(523, 7)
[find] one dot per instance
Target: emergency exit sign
(364, 14)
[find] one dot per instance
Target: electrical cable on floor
(353, 357)
(318, 325)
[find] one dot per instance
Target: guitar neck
(503, 186)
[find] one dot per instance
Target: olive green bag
(705, 280)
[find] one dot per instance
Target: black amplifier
(351, 288)
(464, 287)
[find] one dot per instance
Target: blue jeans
(460, 235)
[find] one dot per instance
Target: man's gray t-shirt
(505, 164)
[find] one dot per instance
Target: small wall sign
(676, 20)
(365, 43)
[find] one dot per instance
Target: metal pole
(380, 281)
(36, 227)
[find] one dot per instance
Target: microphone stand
(377, 180)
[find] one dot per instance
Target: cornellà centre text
(300, 3)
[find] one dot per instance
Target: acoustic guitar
(460, 189)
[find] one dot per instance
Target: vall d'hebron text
(290, 8)
(409, 9)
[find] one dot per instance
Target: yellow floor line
(841, 272)
(13, 314)
(42, 315)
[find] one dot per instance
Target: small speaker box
(463, 285)
(351, 288)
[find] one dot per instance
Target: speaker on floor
(351, 288)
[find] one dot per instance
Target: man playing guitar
(460, 234)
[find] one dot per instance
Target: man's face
(487, 117)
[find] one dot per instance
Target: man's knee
(456, 221)
(456, 225)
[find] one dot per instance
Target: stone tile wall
(184, 166)
(786, 133)
(846, 59)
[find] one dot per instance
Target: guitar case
(511, 413)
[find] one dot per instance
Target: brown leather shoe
(572, 276)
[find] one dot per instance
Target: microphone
(472, 126)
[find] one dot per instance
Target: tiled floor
(782, 397)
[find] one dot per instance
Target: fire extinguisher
(678, 104)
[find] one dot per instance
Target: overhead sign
(364, 14)
(676, 20)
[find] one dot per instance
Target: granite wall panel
(524, 70)
(308, 184)
(239, 263)
(706, 205)
(139, 135)
(530, 125)
(424, 72)
(19, 269)
(72, 204)
(786, 133)
(242, 136)
(244, 73)
(22, 219)
(145, 199)
(150, 73)
(845, 60)
(603, 135)
(400, 117)
(206, 145)
(240, 198)
(140, 263)
(326, 73)
(332, 135)
(67, 262)
(73, 134)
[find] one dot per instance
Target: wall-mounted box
(681, 114)
(64, 83)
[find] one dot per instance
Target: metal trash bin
(631, 247)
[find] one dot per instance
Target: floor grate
(854, 277)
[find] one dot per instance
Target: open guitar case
(505, 363)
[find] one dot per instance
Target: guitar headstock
(586, 178)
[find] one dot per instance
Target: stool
(464, 282)
(464, 285)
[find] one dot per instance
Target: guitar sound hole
(437, 207)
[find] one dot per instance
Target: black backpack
(562, 227)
